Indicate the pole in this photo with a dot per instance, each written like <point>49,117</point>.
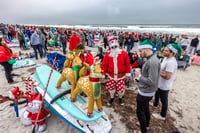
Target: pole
<point>33,131</point>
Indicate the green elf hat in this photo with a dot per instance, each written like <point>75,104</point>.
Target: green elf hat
<point>175,48</point>
<point>146,44</point>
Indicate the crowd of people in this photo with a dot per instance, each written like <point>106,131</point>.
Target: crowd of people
<point>154,77</point>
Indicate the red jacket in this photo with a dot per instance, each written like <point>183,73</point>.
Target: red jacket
<point>73,42</point>
<point>13,31</point>
<point>5,54</point>
<point>117,70</point>
<point>88,59</point>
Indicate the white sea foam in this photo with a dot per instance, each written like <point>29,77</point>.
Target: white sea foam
<point>135,28</point>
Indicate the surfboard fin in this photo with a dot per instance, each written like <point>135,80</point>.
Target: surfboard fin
<point>90,128</point>
<point>80,123</point>
<point>60,95</point>
<point>105,117</point>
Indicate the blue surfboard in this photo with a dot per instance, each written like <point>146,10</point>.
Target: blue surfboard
<point>42,73</point>
<point>25,41</point>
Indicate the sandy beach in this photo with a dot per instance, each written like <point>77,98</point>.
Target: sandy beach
<point>184,104</point>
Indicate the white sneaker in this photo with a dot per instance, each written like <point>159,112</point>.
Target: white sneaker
<point>42,128</point>
<point>158,116</point>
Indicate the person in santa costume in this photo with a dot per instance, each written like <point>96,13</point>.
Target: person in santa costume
<point>73,42</point>
<point>43,114</point>
<point>13,94</point>
<point>116,65</point>
<point>85,56</point>
<point>26,115</point>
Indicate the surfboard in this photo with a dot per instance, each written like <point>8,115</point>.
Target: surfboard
<point>25,41</point>
<point>64,108</point>
<point>43,73</point>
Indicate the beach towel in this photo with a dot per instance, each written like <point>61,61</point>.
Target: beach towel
<point>22,63</point>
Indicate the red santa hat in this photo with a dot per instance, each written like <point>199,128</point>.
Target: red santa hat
<point>196,36</point>
<point>81,30</point>
<point>113,42</point>
<point>121,32</point>
<point>14,93</point>
<point>33,96</point>
<point>38,99</point>
<point>96,59</point>
<point>133,33</point>
<point>183,35</point>
<point>144,33</point>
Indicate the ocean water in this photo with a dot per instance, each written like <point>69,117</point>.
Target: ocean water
<point>189,29</point>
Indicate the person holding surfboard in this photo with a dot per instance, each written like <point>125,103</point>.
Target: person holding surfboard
<point>20,39</point>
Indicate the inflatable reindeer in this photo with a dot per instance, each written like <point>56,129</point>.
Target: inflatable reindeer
<point>71,74</point>
<point>91,86</point>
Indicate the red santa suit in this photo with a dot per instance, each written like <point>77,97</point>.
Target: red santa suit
<point>116,65</point>
<point>73,42</point>
<point>116,68</point>
<point>41,118</point>
<point>43,114</point>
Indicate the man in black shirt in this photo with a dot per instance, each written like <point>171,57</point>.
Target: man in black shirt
<point>193,45</point>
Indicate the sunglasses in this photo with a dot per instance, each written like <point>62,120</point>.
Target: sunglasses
<point>113,47</point>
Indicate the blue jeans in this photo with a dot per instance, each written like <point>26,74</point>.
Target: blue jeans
<point>43,50</point>
<point>39,49</point>
<point>184,47</point>
<point>128,48</point>
<point>64,45</point>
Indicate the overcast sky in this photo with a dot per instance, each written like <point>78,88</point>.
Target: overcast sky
<point>100,11</point>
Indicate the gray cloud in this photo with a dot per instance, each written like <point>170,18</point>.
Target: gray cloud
<point>100,11</point>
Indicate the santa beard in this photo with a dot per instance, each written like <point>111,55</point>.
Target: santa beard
<point>114,52</point>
